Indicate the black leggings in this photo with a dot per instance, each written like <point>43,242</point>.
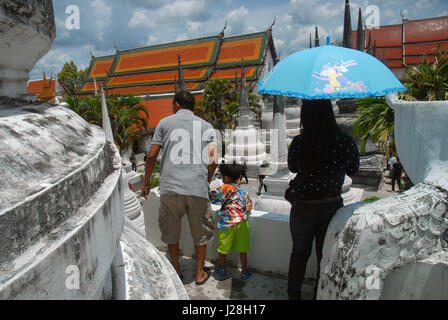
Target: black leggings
<point>307,222</point>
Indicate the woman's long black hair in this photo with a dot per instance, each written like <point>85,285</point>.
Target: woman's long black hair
<point>319,132</point>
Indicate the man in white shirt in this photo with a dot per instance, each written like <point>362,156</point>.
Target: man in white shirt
<point>186,172</point>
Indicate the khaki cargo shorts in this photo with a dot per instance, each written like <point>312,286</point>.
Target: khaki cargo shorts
<point>199,213</point>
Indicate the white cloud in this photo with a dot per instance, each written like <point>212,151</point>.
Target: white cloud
<point>181,37</point>
<point>151,40</point>
<point>172,14</point>
<point>314,11</point>
<point>236,20</point>
<point>102,14</point>
<point>194,26</point>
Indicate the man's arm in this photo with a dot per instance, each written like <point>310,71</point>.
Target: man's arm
<point>149,167</point>
<point>213,162</point>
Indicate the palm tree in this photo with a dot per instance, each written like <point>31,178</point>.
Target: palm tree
<point>219,106</point>
<point>375,121</point>
<point>428,81</point>
<point>128,118</point>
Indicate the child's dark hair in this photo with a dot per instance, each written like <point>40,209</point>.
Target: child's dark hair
<point>233,171</point>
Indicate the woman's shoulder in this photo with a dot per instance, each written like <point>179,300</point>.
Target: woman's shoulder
<point>345,138</point>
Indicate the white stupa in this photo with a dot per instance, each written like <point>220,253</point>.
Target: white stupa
<point>244,143</point>
<point>273,200</point>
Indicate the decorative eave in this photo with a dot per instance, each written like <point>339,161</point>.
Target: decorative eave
<point>94,63</point>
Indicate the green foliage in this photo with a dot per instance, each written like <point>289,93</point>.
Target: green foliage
<point>375,121</point>
<point>428,81</point>
<point>371,199</point>
<point>218,105</point>
<point>128,118</point>
<point>155,182</point>
<point>71,77</point>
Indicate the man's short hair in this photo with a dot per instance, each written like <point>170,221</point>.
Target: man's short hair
<point>233,171</point>
<point>185,99</point>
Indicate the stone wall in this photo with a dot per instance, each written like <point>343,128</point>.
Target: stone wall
<point>61,204</point>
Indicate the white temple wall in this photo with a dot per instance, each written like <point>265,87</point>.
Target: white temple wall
<point>270,240</point>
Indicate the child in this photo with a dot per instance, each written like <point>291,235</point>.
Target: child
<point>233,228</point>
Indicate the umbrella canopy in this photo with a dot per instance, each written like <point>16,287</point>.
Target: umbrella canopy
<point>330,72</point>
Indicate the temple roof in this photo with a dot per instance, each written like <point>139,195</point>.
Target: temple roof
<point>153,69</point>
<point>37,86</point>
<point>410,42</point>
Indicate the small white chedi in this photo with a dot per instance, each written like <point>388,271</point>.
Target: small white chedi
<point>397,247</point>
<point>244,144</point>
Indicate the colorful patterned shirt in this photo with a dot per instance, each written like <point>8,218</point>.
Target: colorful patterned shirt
<point>236,210</point>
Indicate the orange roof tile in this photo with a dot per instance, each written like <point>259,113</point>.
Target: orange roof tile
<point>234,49</point>
<point>165,88</point>
<point>194,74</point>
<point>99,67</point>
<point>36,86</point>
<point>160,108</point>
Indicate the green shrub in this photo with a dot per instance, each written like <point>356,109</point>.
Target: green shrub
<point>155,182</point>
<point>371,199</point>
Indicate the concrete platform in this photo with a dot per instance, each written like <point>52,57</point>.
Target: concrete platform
<point>257,287</point>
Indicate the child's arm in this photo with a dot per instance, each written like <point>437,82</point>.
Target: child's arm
<point>218,196</point>
<point>248,205</point>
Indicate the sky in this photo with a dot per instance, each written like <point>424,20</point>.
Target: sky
<point>137,23</point>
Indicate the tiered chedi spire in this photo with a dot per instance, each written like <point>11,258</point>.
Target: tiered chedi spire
<point>181,75</point>
<point>347,37</point>
<point>244,110</point>
<point>360,33</point>
<point>316,38</point>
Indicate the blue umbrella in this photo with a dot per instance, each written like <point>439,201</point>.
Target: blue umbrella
<point>330,72</point>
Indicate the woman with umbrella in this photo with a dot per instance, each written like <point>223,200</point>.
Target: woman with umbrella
<point>321,156</point>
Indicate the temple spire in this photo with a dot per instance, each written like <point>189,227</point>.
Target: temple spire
<point>181,75</point>
<point>94,83</point>
<point>107,128</point>
<point>374,48</point>
<point>316,38</point>
<point>236,80</point>
<point>244,111</point>
<point>360,34</point>
<point>311,44</point>
<point>369,46</point>
<point>347,37</point>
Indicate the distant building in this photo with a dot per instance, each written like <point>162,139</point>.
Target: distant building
<point>153,71</point>
<point>47,89</point>
<point>407,43</point>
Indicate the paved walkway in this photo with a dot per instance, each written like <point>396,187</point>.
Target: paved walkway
<point>259,286</point>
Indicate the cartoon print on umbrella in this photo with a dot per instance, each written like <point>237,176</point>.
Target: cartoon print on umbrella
<point>336,80</point>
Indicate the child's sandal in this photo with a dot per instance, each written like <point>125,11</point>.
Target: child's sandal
<point>245,276</point>
<point>221,272</point>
